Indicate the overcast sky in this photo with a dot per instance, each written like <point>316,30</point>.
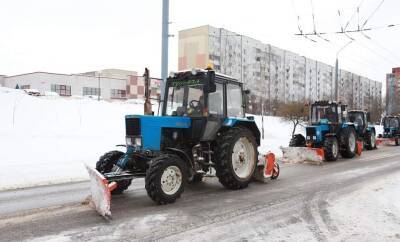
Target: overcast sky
<point>71,36</point>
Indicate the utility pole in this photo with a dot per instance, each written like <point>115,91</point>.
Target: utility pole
<point>164,45</point>
<point>337,70</point>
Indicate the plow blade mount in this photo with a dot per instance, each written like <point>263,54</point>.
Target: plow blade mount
<point>101,192</point>
<point>267,168</point>
<point>302,155</point>
<point>385,141</point>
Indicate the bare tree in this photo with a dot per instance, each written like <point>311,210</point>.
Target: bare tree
<point>294,112</point>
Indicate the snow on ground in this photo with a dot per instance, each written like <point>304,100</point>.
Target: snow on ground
<point>370,214</point>
<point>47,140</point>
<point>277,133</point>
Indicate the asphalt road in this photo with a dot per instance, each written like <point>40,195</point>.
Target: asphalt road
<point>205,212</point>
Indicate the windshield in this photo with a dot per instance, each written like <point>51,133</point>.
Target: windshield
<point>185,100</point>
<point>391,123</point>
<point>323,114</point>
<point>356,117</point>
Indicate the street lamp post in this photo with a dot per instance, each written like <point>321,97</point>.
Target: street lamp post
<point>337,70</point>
<point>98,96</point>
<point>164,45</point>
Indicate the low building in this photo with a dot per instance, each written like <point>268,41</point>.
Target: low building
<point>110,84</point>
<point>2,78</point>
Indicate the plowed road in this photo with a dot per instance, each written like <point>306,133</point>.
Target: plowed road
<point>295,207</point>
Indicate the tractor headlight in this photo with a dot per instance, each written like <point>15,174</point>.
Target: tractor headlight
<point>308,137</point>
<point>133,141</point>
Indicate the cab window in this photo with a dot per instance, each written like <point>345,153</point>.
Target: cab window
<point>216,101</point>
<point>234,101</point>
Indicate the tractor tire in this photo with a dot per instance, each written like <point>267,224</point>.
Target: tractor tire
<point>165,178</point>
<point>275,174</point>
<point>196,178</point>
<point>331,148</point>
<point>396,141</point>
<point>348,143</point>
<point>297,140</point>
<point>235,157</point>
<point>106,164</point>
<point>370,141</point>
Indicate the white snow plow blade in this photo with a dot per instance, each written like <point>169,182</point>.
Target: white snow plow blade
<point>101,192</point>
<point>302,155</point>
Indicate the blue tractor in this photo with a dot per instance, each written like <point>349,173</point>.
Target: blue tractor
<point>365,130</point>
<point>202,126</point>
<point>391,129</point>
<point>329,130</point>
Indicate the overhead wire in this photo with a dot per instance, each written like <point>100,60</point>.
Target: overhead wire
<point>372,14</point>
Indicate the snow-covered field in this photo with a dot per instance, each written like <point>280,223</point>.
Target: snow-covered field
<point>46,140</point>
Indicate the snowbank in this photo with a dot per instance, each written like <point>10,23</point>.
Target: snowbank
<point>277,133</point>
<point>46,140</point>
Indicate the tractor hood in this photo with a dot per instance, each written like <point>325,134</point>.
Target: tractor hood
<point>148,128</point>
<point>314,133</point>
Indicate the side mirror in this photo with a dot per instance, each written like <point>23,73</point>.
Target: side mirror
<point>368,117</point>
<point>209,84</point>
<point>247,91</point>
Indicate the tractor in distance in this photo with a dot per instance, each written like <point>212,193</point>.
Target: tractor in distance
<point>365,130</point>
<point>391,129</point>
<point>329,131</point>
<point>202,126</point>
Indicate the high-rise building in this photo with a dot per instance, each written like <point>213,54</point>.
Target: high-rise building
<point>392,91</point>
<point>272,74</point>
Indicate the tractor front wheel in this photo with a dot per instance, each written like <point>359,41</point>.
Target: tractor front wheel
<point>371,141</point>
<point>235,157</point>
<point>105,165</point>
<point>165,178</point>
<point>348,143</point>
<point>331,148</point>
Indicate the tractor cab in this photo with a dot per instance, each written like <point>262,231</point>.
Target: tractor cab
<point>359,118</point>
<point>324,112</point>
<point>203,93</point>
<point>391,126</point>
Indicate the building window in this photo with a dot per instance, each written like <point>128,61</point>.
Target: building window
<point>62,90</point>
<point>117,93</point>
<point>91,91</point>
<point>25,86</point>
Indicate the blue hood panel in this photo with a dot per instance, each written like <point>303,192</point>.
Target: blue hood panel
<point>151,126</point>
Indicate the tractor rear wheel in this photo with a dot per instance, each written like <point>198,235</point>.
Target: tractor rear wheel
<point>370,143</point>
<point>165,178</point>
<point>235,157</point>
<point>106,164</point>
<point>297,140</point>
<point>331,148</point>
<point>396,141</point>
<point>348,143</point>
